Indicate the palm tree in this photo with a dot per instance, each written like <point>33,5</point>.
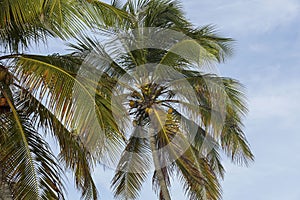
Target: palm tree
<point>157,101</point>
<point>32,100</point>
<point>52,93</point>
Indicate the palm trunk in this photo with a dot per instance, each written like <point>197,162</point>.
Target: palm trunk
<point>160,176</point>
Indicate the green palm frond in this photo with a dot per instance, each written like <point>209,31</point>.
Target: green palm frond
<point>94,53</point>
<point>46,87</point>
<point>197,176</point>
<point>191,52</point>
<point>202,141</point>
<point>73,154</point>
<point>16,11</point>
<point>100,15</point>
<point>61,18</point>
<point>29,169</point>
<point>164,14</point>
<point>209,39</point>
<point>51,81</point>
<point>30,166</point>
<point>233,140</point>
<point>133,167</point>
<point>233,110</point>
<point>26,22</point>
<point>21,23</point>
<point>192,167</point>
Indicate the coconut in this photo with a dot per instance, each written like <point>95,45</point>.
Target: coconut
<point>149,111</point>
<point>134,123</point>
<point>132,104</point>
<point>3,102</point>
<point>2,75</point>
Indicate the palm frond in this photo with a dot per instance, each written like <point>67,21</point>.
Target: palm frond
<point>221,100</point>
<point>70,97</point>
<point>208,38</point>
<point>73,154</point>
<point>193,169</point>
<point>164,14</point>
<point>102,16</point>
<point>198,177</point>
<point>30,166</point>
<point>133,167</point>
<point>233,140</point>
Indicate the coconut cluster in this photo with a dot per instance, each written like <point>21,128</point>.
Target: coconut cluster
<point>143,102</point>
<point>5,76</point>
<point>5,79</point>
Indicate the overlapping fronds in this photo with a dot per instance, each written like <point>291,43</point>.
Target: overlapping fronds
<point>45,88</point>
<point>192,118</point>
<point>133,166</point>
<point>30,167</point>
<point>190,164</point>
<point>73,154</point>
<point>25,22</point>
<point>70,96</point>
<point>189,136</point>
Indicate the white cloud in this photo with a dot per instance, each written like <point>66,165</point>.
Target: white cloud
<point>284,105</point>
<point>259,48</point>
<point>248,16</point>
<point>274,93</point>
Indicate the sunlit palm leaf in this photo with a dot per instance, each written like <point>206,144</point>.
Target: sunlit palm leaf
<point>73,154</point>
<point>30,166</point>
<point>59,88</point>
<point>206,127</point>
<point>24,22</point>
<point>191,164</point>
<point>133,167</point>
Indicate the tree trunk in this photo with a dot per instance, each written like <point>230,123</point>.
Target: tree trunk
<point>160,176</point>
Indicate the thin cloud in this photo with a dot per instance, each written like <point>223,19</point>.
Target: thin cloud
<point>249,16</point>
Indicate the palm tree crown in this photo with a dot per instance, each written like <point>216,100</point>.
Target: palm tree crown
<point>141,100</point>
<point>175,116</point>
<point>31,98</point>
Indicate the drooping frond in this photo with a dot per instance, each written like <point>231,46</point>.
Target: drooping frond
<point>102,16</point>
<point>197,176</point>
<point>202,142</point>
<point>208,38</point>
<point>25,22</point>
<point>133,167</point>
<point>73,154</point>
<point>29,166</point>
<point>193,169</point>
<point>222,104</point>
<point>71,97</point>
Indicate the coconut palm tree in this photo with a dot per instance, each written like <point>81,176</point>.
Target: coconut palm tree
<point>177,118</point>
<point>32,101</point>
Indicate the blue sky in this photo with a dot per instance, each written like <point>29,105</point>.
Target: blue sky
<point>267,62</point>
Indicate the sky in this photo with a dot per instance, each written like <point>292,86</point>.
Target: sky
<point>267,61</point>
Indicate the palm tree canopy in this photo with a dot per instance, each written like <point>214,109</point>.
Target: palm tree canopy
<point>25,22</point>
<point>32,100</point>
<point>158,100</point>
<point>122,108</point>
